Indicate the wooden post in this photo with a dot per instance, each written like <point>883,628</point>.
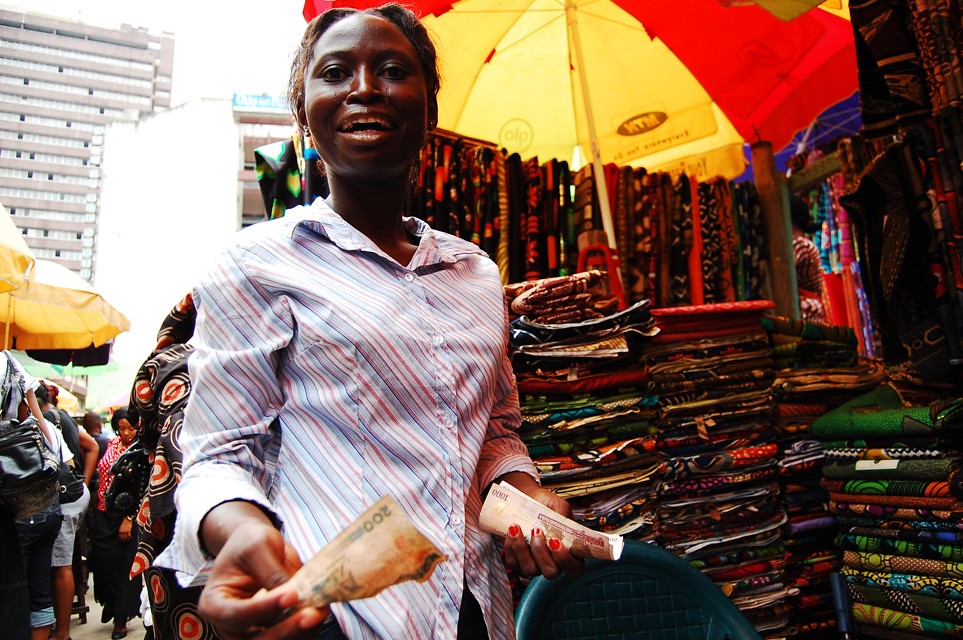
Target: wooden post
<point>773,192</point>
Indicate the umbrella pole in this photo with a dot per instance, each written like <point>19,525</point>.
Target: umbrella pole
<point>571,14</point>
<point>773,193</point>
<point>6,325</point>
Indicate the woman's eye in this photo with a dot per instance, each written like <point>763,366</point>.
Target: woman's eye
<point>394,72</point>
<point>333,73</point>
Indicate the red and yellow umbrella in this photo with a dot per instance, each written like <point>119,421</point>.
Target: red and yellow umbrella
<point>663,84</point>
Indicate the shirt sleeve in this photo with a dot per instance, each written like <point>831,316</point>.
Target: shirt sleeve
<point>229,434</point>
<point>57,445</point>
<point>503,451</point>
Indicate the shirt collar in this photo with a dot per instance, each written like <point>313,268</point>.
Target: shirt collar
<point>323,220</point>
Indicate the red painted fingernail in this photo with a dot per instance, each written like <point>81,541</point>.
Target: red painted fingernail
<point>514,530</point>
<point>554,544</point>
<point>536,531</point>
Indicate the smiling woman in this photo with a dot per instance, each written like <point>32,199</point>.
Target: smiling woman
<point>369,360</point>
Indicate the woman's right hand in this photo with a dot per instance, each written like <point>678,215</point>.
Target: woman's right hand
<point>245,596</point>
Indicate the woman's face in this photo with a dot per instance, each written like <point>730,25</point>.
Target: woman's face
<point>125,431</point>
<point>366,99</point>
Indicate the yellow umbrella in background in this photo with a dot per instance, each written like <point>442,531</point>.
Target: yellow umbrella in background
<point>16,260</point>
<point>58,310</point>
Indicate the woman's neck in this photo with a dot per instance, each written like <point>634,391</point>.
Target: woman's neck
<point>375,209</point>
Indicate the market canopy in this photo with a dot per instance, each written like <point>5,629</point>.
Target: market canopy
<point>58,310</point>
<point>16,259</point>
<point>658,83</point>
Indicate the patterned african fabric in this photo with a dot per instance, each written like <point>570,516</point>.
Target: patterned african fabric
<point>926,469</point>
<point>712,462</point>
<point>502,223</point>
<point>890,619</point>
<point>807,330</point>
<point>882,412</point>
<point>585,204</point>
<point>862,376</point>
<point>929,525</point>
<point>935,489</point>
<point>713,539</point>
<point>682,244</point>
<point>645,200</point>
<point>892,82</point>
<point>894,512</point>
<point>906,266</point>
<point>915,502</point>
<point>159,396</point>
<point>871,561</point>
<point>586,451</point>
<point>277,167</point>
<point>934,586</point>
<point>890,546</point>
<point>718,241</point>
<point>881,450</point>
<point>913,603</point>
<point>938,33</point>
<point>555,299</point>
<point>954,538</point>
<point>735,317</point>
<point>533,223</point>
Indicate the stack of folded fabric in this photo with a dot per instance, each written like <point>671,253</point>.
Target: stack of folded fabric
<point>712,369</point>
<point>895,485</point>
<point>561,299</point>
<point>588,418</point>
<point>810,530</point>
<point>807,354</point>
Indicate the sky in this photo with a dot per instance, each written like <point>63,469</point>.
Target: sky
<point>216,53</point>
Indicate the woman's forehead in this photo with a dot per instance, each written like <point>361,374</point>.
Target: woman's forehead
<point>361,29</point>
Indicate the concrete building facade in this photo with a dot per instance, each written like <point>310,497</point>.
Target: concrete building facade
<point>61,83</point>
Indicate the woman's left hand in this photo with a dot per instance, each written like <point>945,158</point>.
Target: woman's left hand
<point>548,557</point>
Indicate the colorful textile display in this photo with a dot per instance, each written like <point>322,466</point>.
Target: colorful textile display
<point>587,414</point>
<point>892,476</point>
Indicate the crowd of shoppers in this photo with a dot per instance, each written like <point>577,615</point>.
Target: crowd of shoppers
<point>37,551</point>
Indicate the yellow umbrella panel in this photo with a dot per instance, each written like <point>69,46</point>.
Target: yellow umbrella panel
<point>16,260</point>
<point>58,310</point>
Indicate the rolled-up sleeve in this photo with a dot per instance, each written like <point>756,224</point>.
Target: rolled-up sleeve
<point>229,437</point>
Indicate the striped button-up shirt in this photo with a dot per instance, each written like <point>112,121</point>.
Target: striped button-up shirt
<point>327,375</point>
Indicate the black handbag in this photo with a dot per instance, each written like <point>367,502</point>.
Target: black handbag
<point>71,482</point>
<point>131,475</point>
<point>71,485</point>
<point>29,470</point>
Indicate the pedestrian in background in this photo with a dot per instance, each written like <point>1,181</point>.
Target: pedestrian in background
<point>83,448</point>
<point>112,542</point>
<point>36,533</point>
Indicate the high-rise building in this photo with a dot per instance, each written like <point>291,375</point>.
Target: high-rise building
<point>61,83</point>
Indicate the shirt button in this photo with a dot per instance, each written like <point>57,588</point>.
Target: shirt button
<point>438,340</point>
<point>409,277</point>
<point>455,519</point>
